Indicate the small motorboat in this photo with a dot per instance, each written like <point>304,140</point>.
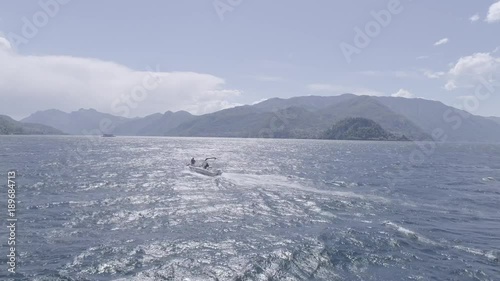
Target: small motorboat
<point>205,168</point>
<point>207,172</point>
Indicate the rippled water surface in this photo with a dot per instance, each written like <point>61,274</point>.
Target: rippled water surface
<point>129,209</point>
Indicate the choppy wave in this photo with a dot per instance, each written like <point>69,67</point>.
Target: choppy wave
<point>134,212</point>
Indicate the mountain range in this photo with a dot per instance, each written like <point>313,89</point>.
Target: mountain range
<point>9,126</point>
<point>298,117</point>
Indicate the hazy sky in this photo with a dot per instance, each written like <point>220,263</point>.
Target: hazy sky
<point>134,58</point>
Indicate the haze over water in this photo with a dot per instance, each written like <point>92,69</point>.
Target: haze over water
<point>129,209</point>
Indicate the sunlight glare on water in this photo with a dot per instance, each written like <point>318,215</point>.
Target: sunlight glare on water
<point>129,209</point>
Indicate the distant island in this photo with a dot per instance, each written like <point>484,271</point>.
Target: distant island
<point>358,128</point>
<point>108,135</point>
<point>306,117</point>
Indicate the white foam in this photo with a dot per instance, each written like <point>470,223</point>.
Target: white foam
<point>409,233</point>
<point>489,255</point>
<point>285,184</point>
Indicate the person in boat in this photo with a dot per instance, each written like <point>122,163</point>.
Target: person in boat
<point>193,161</point>
<point>205,164</point>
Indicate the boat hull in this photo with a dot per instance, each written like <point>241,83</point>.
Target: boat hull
<point>206,172</point>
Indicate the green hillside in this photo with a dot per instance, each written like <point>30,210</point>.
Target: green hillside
<point>359,129</point>
<point>9,126</point>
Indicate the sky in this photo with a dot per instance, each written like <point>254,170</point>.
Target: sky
<point>134,58</point>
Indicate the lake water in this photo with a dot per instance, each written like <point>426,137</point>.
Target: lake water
<point>129,209</point>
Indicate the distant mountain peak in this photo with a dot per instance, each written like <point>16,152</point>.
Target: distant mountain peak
<point>87,110</point>
<point>180,112</point>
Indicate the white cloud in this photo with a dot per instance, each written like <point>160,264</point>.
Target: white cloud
<point>441,42</point>
<point>450,85</point>
<point>422,57</point>
<point>476,64</point>
<point>470,70</point>
<point>5,44</point>
<point>433,75</point>
<point>474,18</point>
<point>30,83</point>
<point>259,101</point>
<point>339,90</point>
<point>210,106</point>
<point>402,93</point>
<point>493,13</point>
